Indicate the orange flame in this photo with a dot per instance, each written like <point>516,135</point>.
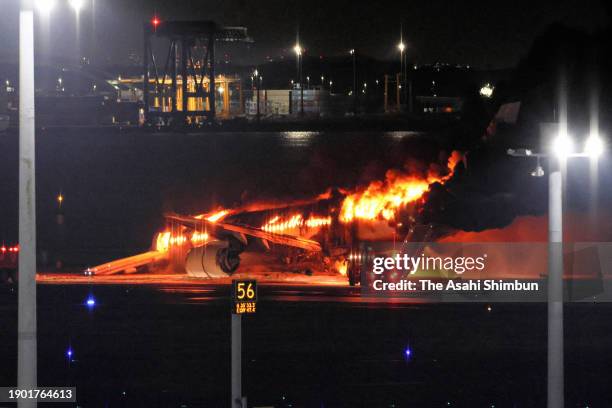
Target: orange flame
<point>165,240</point>
<point>382,199</point>
<point>279,225</point>
<point>214,217</point>
<point>199,237</point>
<point>218,216</point>
<point>341,266</point>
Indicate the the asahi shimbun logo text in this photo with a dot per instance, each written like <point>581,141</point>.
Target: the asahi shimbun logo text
<point>412,264</point>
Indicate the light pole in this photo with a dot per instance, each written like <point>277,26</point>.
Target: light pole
<point>401,47</point>
<point>26,315</point>
<point>298,53</point>
<point>354,90</point>
<point>257,98</point>
<point>76,5</point>
<point>562,149</point>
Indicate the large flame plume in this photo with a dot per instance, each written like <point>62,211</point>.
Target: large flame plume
<point>382,199</point>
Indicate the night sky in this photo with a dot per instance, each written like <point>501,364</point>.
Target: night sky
<point>488,34</point>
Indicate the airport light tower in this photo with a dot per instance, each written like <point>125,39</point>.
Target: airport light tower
<point>26,315</point>
<point>562,149</point>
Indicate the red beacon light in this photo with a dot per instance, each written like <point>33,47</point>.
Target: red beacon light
<point>155,21</point>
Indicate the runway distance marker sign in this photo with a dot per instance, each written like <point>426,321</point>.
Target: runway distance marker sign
<point>244,296</point>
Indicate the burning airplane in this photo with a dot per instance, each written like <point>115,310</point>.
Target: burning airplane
<point>323,232</point>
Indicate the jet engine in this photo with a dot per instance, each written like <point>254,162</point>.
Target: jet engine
<point>214,259</point>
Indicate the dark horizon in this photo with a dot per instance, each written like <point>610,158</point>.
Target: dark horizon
<point>480,34</point>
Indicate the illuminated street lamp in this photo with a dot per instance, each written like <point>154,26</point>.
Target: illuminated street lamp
<point>298,50</point>
<point>401,46</point>
<point>76,5</point>
<point>298,53</point>
<point>45,6</point>
<point>563,145</point>
<point>562,148</point>
<point>354,88</point>
<point>486,91</point>
<point>594,146</point>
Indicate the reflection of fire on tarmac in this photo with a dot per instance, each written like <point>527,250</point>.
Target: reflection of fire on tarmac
<point>312,238</point>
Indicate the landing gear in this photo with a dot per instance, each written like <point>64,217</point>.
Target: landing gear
<point>228,258</point>
<point>353,274</point>
<point>357,261</point>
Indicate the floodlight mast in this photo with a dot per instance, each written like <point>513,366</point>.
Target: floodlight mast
<point>562,149</point>
<point>26,314</point>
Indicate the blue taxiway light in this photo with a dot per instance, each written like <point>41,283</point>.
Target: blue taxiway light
<point>90,302</point>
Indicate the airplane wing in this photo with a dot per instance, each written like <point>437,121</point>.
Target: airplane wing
<point>245,230</point>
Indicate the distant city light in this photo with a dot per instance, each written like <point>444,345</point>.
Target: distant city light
<point>76,4</point>
<point>401,46</point>
<point>487,90</point>
<point>594,146</point>
<point>60,199</point>
<point>45,6</point>
<point>352,51</point>
<point>69,353</point>
<point>408,352</point>
<point>220,89</point>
